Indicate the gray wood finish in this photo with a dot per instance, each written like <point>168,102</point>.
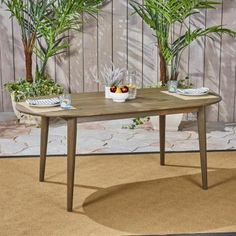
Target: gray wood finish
<point>1,86</point>
<point>43,146</point>
<point>119,31</point>
<point>162,128</point>
<point>7,57</point>
<point>105,40</point>
<point>129,43</point>
<point>196,51</point>
<point>212,60</point>
<point>202,145</point>
<point>71,150</point>
<point>135,45</point>
<point>90,47</point>
<point>94,107</point>
<point>76,63</point>
<point>150,58</point>
<point>228,59</point>
<point>90,106</point>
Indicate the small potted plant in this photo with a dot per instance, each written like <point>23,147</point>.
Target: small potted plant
<point>112,77</point>
<point>22,89</point>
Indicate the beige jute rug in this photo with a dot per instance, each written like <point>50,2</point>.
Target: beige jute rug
<point>119,195</point>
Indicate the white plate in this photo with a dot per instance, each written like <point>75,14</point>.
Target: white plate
<point>50,102</point>
<point>42,106</point>
<point>193,92</point>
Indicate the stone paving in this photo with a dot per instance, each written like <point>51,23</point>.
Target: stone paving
<point>108,137</point>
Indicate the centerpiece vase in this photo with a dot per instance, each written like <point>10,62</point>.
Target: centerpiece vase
<point>107,92</point>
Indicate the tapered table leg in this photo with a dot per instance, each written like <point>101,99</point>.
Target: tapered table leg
<point>71,149</point>
<point>43,146</point>
<point>202,145</point>
<point>162,129</point>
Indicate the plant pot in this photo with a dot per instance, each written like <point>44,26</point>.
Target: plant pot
<point>17,113</point>
<point>24,118</point>
<point>172,122</point>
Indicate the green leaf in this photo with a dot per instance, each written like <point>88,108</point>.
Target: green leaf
<point>163,15</point>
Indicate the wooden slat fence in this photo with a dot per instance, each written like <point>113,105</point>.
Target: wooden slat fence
<point>125,40</point>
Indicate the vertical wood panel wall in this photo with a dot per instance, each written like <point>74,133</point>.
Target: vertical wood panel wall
<point>125,40</point>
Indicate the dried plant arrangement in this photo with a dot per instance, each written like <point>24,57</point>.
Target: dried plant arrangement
<point>112,76</point>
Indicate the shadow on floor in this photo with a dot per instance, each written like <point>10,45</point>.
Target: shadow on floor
<point>204,234</point>
<point>167,205</point>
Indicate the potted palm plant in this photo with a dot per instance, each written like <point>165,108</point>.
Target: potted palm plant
<point>64,16</point>
<point>45,22</point>
<point>161,16</point>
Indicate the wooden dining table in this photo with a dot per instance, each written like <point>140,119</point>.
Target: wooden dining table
<point>89,107</point>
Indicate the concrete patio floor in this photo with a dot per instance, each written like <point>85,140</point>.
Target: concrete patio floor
<point>109,137</point>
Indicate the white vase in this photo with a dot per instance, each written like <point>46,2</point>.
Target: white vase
<point>24,118</point>
<point>107,92</point>
<point>17,113</point>
<point>172,122</point>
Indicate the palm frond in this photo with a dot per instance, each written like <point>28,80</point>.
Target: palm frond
<point>161,15</point>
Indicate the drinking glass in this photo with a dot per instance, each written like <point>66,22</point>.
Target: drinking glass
<point>65,101</point>
<point>172,86</point>
<point>132,84</point>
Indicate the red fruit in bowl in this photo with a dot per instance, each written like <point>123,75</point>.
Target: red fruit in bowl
<point>113,89</point>
<point>125,89</point>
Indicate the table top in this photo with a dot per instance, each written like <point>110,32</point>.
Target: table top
<point>152,101</point>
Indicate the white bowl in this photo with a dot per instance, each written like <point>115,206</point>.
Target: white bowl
<point>119,97</point>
